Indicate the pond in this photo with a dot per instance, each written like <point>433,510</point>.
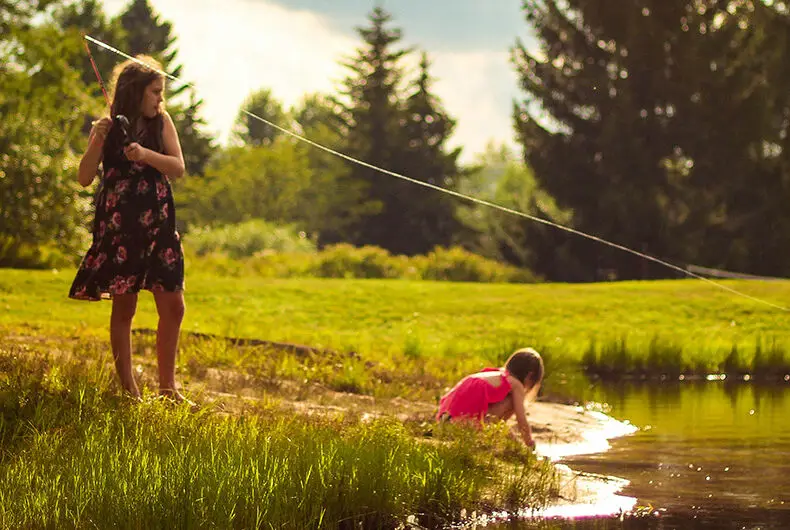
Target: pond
<point>707,454</point>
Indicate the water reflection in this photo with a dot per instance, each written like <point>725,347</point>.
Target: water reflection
<point>708,455</point>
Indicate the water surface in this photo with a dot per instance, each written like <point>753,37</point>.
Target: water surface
<point>706,455</point>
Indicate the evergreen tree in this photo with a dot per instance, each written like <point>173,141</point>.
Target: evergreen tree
<point>642,118</point>
<point>87,16</point>
<point>402,133</point>
<point>427,216</point>
<point>197,146</point>
<point>251,131</point>
<point>147,34</point>
<point>372,119</point>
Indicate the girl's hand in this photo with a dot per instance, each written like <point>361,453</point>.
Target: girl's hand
<point>135,152</point>
<point>101,127</point>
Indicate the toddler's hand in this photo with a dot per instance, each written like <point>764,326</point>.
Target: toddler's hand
<point>135,152</point>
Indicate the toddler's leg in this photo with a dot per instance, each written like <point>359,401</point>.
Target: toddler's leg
<point>171,308</point>
<point>501,410</point>
<point>123,309</point>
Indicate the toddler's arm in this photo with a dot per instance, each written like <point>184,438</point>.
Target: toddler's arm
<point>519,410</point>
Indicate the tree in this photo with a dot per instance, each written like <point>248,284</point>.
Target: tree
<point>245,183</point>
<point>251,131</point>
<point>405,134</point>
<point>426,217</point>
<point>88,17</point>
<point>284,181</point>
<point>371,117</point>
<point>334,204</point>
<point>643,119</point>
<point>197,146</point>
<point>147,34</point>
<point>41,101</point>
<point>499,177</point>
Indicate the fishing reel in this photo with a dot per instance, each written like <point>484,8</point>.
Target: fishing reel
<point>122,123</point>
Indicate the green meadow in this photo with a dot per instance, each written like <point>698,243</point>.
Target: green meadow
<point>322,416</point>
<point>447,328</point>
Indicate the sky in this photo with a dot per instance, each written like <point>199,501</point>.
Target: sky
<point>230,48</point>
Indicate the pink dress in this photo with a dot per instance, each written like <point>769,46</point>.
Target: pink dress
<point>471,397</point>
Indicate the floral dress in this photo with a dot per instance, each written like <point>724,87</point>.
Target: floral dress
<point>135,242</point>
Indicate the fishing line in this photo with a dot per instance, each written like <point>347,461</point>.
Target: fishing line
<point>454,193</point>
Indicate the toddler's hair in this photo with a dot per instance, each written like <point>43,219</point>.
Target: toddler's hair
<point>526,363</point>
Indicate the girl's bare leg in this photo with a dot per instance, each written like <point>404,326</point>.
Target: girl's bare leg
<point>171,308</point>
<point>123,309</point>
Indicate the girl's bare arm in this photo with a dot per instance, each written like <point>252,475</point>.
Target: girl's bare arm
<point>171,163</point>
<point>89,163</point>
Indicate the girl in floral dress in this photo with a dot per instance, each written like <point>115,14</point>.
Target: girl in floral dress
<point>135,242</point>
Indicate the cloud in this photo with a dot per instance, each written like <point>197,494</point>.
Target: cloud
<point>477,89</point>
<point>232,48</point>
<point>457,25</point>
<point>246,45</point>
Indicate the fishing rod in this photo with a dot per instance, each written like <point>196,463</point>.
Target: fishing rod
<point>119,120</point>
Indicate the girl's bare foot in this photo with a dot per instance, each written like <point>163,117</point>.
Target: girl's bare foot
<point>132,391</point>
<point>176,396</point>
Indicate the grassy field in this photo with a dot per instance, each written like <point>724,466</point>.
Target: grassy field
<point>333,435</point>
<point>445,328</point>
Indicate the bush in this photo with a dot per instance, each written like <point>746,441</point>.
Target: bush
<point>247,239</point>
<point>264,249</point>
<point>458,265</point>
<point>347,261</point>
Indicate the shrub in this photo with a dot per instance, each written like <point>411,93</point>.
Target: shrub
<point>347,261</point>
<point>457,264</point>
<point>245,240</point>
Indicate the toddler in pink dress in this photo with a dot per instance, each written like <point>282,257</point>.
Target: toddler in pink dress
<point>496,393</point>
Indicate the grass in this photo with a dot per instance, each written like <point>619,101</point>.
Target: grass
<point>321,436</point>
<point>76,454</point>
<point>442,330</point>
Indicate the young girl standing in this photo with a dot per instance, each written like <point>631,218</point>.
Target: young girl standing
<point>135,242</point>
<point>496,393</point>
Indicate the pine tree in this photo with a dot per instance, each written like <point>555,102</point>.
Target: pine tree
<point>147,34</point>
<point>406,133</point>
<point>88,17</point>
<point>640,118</point>
<point>197,146</point>
<point>427,216</point>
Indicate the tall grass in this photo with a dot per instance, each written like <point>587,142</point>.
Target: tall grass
<point>662,357</point>
<point>76,455</point>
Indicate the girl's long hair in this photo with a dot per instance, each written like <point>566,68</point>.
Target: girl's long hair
<point>130,80</point>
